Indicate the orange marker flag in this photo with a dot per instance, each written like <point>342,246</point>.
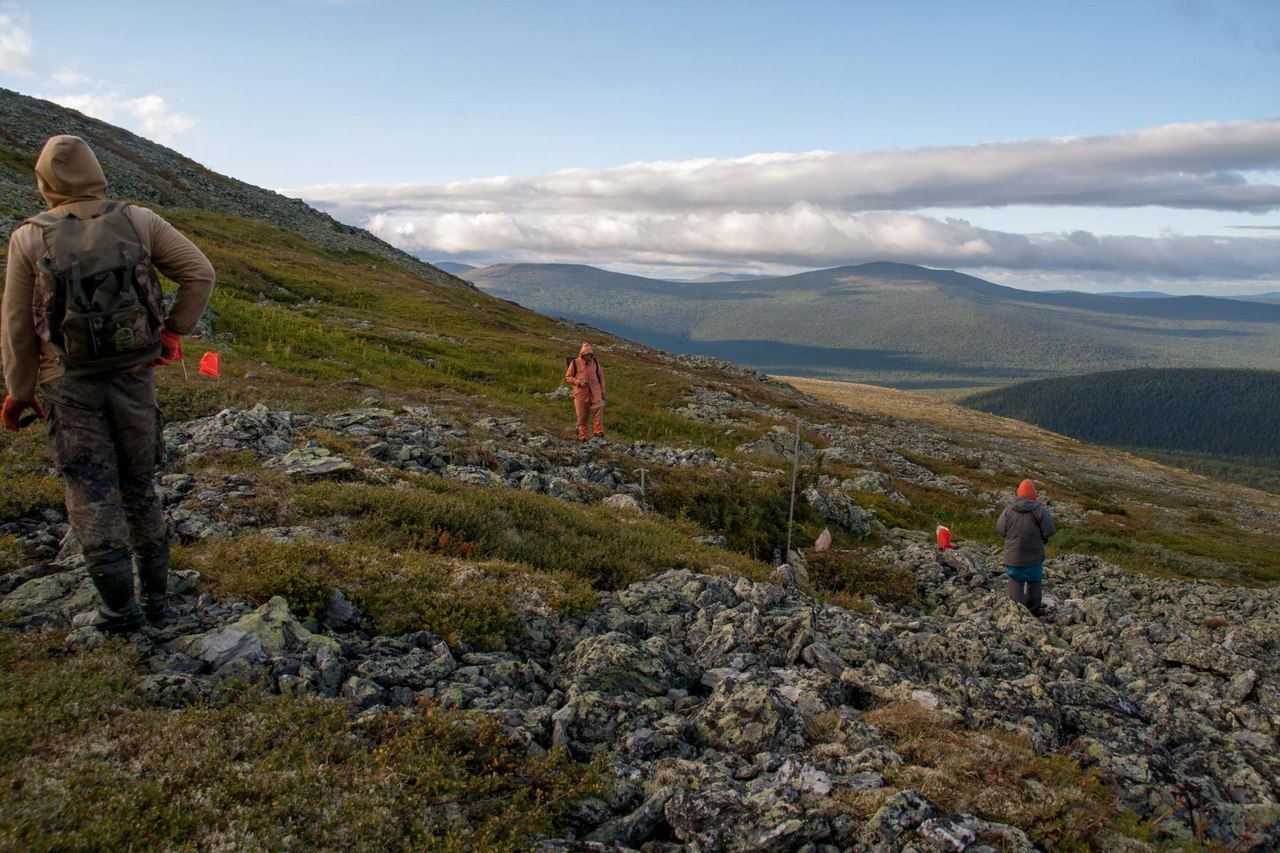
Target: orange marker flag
<point>210,364</point>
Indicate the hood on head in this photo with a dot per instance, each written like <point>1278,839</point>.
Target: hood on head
<point>586,348</point>
<point>67,171</point>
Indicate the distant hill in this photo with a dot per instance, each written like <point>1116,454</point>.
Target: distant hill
<point>721,276</point>
<point>1226,413</point>
<point>454,268</point>
<point>900,325</point>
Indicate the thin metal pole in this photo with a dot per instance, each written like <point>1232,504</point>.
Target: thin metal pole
<point>642,484</point>
<point>791,513</point>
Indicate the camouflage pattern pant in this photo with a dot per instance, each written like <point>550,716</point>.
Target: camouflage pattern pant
<point>104,437</point>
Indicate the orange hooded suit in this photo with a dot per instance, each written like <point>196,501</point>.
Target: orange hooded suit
<point>587,378</point>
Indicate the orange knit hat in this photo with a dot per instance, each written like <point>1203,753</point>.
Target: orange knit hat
<point>1027,489</point>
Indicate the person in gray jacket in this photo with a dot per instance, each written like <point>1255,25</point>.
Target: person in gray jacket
<point>1026,526</point>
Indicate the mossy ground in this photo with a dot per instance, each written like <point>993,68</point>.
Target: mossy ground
<point>86,764</point>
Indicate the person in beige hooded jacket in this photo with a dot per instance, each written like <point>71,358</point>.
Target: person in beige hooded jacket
<point>103,429</point>
<point>587,379</point>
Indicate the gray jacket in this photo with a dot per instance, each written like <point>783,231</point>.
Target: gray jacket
<point>1025,526</point>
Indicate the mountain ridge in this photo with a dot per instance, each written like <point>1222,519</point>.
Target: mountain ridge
<point>899,325</point>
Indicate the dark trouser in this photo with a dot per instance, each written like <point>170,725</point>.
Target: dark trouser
<point>104,437</point>
<point>1025,592</point>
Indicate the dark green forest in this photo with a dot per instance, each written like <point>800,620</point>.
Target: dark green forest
<point>1220,422</point>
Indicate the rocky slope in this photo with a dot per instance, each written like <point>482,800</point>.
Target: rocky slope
<point>735,714</point>
<point>726,712</point>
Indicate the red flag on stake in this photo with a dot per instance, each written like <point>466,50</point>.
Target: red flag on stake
<point>210,364</point>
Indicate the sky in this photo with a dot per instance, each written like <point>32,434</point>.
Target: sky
<point>1119,145</point>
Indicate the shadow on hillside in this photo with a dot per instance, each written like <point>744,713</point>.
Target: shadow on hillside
<point>1181,333</point>
<point>828,362</point>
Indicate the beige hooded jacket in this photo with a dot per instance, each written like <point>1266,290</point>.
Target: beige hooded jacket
<point>71,180</point>
<point>586,369</point>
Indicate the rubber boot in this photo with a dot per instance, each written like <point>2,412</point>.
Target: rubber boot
<point>112,576</point>
<point>153,576</point>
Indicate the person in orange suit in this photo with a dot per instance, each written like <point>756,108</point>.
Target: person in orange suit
<point>587,378</point>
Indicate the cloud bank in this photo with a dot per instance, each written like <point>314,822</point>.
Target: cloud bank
<point>822,208</point>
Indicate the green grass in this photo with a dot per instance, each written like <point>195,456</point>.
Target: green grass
<point>85,764</point>
<point>27,488</point>
<point>1261,474</point>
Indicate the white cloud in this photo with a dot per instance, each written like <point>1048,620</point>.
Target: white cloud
<point>1201,166</point>
<point>820,208</point>
<point>809,236</point>
<point>69,77</point>
<point>15,45</point>
<point>157,118</point>
<point>149,115</point>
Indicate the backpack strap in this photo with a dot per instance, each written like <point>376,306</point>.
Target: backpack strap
<point>47,217</point>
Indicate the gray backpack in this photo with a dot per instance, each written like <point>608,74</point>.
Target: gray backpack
<point>97,299</point>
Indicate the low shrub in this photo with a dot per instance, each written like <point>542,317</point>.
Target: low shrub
<point>750,512</point>
<point>606,547</point>
<point>999,777</point>
<point>849,575</point>
<point>400,591</point>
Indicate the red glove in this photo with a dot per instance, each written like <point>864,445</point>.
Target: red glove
<point>12,413</point>
<point>170,348</point>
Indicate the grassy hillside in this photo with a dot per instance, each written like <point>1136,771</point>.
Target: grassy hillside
<point>308,326</point>
<point>899,325</point>
<point>1225,422</point>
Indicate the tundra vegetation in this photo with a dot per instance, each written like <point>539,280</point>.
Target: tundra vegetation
<point>87,762</point>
